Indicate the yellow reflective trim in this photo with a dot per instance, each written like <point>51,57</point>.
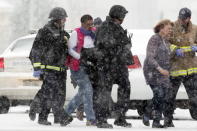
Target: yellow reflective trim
<point>173,47</point>
<point>50,67</point>
<point>186,48</point>
<point>36,64</point>
<point>53,68</point>
<point>183,72</point>
<point>178,73</point>
<point>42,66</point>
<point>192,70</point>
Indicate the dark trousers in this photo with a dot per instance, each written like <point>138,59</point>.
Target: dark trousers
<point>158,100</point>
<point>124,90</point>
<point>190,84</point>
<point>160,103</point>
<point>103,103</point>
<point>51,95</point>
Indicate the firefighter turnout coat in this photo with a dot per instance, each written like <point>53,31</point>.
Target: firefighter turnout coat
<point>183,38</point>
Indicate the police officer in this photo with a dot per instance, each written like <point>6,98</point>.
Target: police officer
<point>48,55</point>
<point>183,61</point>
<point>114,45</point>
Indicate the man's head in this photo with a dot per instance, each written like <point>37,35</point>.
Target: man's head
<point>185,15</point>
<point>87,22</point>
<point>118,12</point>
<point>58,15</point>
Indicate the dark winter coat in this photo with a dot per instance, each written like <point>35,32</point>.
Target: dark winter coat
<point>157,55</point>
<point>112,42</point>
<point>49,47</point>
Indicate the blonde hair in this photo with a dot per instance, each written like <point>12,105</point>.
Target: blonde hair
<point>161,25</point>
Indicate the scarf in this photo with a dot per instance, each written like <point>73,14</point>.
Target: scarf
<point>88,33</point>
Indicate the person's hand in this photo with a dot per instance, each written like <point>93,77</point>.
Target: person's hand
<point>163,71</point>
<point>179,52</point>
<point>66,38</point>
<point>194,48</point>
<point>37,73</point>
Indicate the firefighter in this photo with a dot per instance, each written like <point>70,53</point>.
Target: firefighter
<point>48,55</point>
<point>183,61</point>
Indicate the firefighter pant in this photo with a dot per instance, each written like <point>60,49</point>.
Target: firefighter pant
<point>190,84</point>
<point>52,94</point>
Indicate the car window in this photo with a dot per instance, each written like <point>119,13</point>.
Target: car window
<point>23,45</point>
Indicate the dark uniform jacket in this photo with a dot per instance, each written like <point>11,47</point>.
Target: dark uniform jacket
<point>114,45</point>
<point>49,49</point>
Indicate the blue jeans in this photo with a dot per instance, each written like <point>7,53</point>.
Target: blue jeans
<point>84,95</point>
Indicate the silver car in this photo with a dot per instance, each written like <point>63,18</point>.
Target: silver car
<point>17,85</point>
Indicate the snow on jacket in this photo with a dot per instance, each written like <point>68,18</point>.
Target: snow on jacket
<point>112,41</point>
<point>157,55</point>
<point>183,38</point>
<point>49,49</point>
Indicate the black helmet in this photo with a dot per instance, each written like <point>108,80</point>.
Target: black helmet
<point>57,13</point>
<point>117,11</point>
<point>184,13</point>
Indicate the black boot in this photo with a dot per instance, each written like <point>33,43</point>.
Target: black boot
<point>32,115</point>
<point>103,124</point>
<point>122,122</point>
<point>32,111</point>
<point>44,122</point>
<point>168,122</point>
<point>66,119</point>
<point>145,120</point>
<point>156,124</point>
<point>56,120</point>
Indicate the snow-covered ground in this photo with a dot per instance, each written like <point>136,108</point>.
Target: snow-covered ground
<point>17,120</point>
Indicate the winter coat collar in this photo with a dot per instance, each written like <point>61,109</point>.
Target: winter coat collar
<point>186,29</point>
<point>118,26</point>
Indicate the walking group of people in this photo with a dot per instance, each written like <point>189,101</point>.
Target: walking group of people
<point>97,54</point>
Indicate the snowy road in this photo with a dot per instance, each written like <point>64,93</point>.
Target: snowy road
<point>17,120</point>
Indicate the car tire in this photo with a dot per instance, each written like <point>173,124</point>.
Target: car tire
<point>4,105</point>
<point>193,112</point>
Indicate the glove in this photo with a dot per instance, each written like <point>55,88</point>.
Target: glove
<point>194,48</point>
<point>37,73</point>
<point>179,52</point>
